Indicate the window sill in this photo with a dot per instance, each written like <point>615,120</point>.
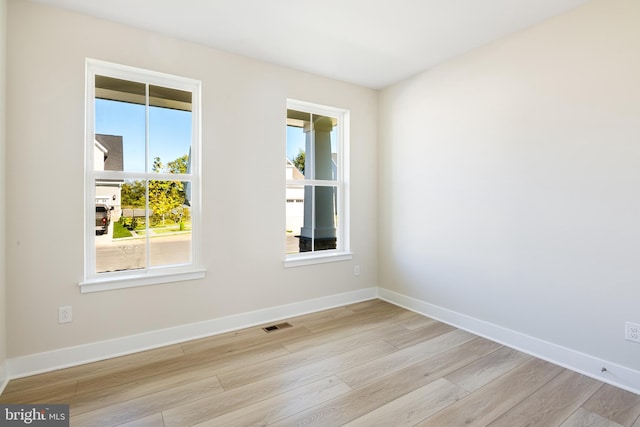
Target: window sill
<point>144,279</point>
<point>316,258</point>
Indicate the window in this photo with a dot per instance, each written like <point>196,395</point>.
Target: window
<point>316,184</point>
<point>142,204</point>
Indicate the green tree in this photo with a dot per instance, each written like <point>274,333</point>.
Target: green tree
<point>132,194</point>
<point>298,161</point>
<point>165,197</point>
<point>179,165</point>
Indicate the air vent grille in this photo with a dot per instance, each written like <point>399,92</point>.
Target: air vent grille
<point>277,327</point>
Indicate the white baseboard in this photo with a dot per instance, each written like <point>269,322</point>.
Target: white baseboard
<point>616,375</point>
<point>4,378</point>
<point>71,356</point>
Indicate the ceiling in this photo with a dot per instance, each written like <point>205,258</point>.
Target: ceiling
<point>373,43</point>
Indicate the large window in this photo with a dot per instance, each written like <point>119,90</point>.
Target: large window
<point>317,177</point>
<point>142,177</point>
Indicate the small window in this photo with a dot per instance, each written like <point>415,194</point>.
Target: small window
<point>316,190</point>
<point>143,177</point>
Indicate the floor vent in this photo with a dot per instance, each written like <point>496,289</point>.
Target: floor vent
<point>276,327</point>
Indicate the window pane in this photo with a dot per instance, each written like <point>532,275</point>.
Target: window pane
<point>173,99</point>
<point>311,220</point>
<point>169,129</point>
<point>170,224</point>
<point>120,242</point>
<point>295,153</point>
<point>297,122</point>
<point>326,218</point>
<point>295,217</point>
<point>119,125</point>
<point>325,154</point>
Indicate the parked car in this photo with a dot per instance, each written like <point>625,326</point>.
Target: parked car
<point>103,217</point>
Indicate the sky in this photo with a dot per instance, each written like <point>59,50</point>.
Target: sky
<point>296,141</point>
<point>169,131</point>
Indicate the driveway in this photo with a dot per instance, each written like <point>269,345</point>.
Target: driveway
<point>131,253</point>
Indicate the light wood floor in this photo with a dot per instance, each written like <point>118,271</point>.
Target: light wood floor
<point>367,364</point>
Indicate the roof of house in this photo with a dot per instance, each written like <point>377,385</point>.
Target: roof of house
<point>114,159</point>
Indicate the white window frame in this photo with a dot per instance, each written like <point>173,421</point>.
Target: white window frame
<point>342,252</point>
<point>93,281</point>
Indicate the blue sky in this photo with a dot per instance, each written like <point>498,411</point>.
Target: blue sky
<point>295,141</point>
<point>169,131</point>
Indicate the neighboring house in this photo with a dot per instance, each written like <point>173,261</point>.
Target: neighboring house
<point>295,199</point>
<point>108,156</point>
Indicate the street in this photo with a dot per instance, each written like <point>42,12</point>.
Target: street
<point>129,254</point>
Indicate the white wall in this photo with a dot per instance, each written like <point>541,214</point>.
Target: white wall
<point>244,106</point>
<point>510,178</point>
<point>3,80</point>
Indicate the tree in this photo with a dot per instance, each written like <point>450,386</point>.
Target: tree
<point>299,160</point>
<point>179,165</point>
<point>165,197</point>
<point>133,194</point>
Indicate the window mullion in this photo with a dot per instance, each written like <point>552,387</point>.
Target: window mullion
<point>312,174</point>
<point>90,186</point>
<point>147,227</point>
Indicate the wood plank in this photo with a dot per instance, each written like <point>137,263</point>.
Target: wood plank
<point>491,401</point>
<point>418,322</point>
<point>584,418</point>
<point>97,398</point>
<point>282,405</point>
<point>365,399</point>
<point>367,319</point>
<point>552,403</point>
<point>154,420</point>
<point>246,340</point>
<point>482,346</point>
<point>412,407</point>
<point>615,404</point>
<point>92,369</point>
<point>487,369</point>
<point>205,361</point>
<point>54,392</point>
<point>148,405</point>
<point>407,369</point>
<point>347,335</point>
<point>368,305</point>
<point>246,374</point>
<point>313,319</point>
<point>205,409</point>
<point>371,371</point>
<point>415,336</point>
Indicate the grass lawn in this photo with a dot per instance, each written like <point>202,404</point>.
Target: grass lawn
<point>119,231</point>
<point>170,229</point>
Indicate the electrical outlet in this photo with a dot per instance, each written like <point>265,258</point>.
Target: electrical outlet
<point>356,270</point>
<point>65,314</point>
<point>632,331</point>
